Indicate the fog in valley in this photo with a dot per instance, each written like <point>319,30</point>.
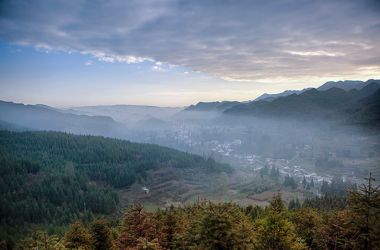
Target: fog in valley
<point>263,151</point>
<point>315,149</point>
<point>177,124</point>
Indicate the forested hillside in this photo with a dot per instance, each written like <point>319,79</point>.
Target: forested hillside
<point>53,178</point>
<point>352,224</point>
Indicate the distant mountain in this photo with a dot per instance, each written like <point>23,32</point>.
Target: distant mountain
<point>307,103</point>
<point>331,103</point>
<point>227,105</point>
<point>151,123</point>
<point>367,111</point>
<point>11,127</point>
<point>212,106</point>
<point>271,97</point>
<point>127,113</point>
<point>41,117</point>
<point>347,85</point>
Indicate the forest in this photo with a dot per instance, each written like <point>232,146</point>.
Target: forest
<point>189,125</point>
<point>62,191</point>
<point>52,178</point>
<point>353,224</point>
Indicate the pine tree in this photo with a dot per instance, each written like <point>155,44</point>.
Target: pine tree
<point>77,237</point>
<point>41,240</point>
<point>225,227</point>
<point>275,231</point>
<point>100,235</point>
<point>304,182</point>
<point>312,183</point>
<point>144,244</point>
<point>294,204</point>
<point>364,204</point>
<point>138,225</point>
<point>307,223</point>
<point>168,222</point>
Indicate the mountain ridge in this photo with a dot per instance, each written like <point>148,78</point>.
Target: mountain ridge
<point>344,85</point>
<point>332,103</point>
<point>42,117</point>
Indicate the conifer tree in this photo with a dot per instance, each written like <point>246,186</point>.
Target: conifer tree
<point>275,231</point>
<point>139,226</point>
<point>78,237</point>
<point>364,205</point>
<point>101,235</point>
<point>304,182</point>
<point>225,227</point>
<point>168,227</point>
<point>308,223</point>
<point>312,183</point>
<point>41,240</point>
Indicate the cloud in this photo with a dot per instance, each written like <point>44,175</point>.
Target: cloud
<point>89,63</point>
<point>157,68</point>
<point>315,53</point>
<point>235,40</point>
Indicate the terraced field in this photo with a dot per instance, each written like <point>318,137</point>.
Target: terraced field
<point>169,186</point>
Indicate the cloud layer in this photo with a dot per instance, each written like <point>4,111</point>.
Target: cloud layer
<point>288,40</point>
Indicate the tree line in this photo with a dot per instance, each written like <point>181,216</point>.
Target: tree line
<point>208,225</point>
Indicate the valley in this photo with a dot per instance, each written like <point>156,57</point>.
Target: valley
<point>241,158</point>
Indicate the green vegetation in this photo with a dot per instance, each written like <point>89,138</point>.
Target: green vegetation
<point>49,180</point>
<point>54,178</point>
<point>207,225</point>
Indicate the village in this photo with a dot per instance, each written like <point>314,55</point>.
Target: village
<point>202,140</point>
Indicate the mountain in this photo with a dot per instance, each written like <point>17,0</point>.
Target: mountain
<point>331,103</point>
<point>227,105</point>
<point>347,85</point>
<point>41,117</point>
<point>271,97</point>
<point>368,110</point>
<point>127,114</point>
<point>54,178</point>
<point>11,127</point>
<point>310,103</point>
<point>212,106</point>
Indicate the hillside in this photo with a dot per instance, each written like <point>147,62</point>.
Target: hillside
<point>347,85</point>
<point>329,222</point>
<point>127,114</point>
<point>271,97</point>
<point>53,178</point>
<point>367,110</point>
<point>41,117</point>
<point>224,105</point>
<point>212,106</point>
<point>312,104</point>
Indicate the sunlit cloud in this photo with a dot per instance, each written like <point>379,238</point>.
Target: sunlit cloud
<point>315,53</point>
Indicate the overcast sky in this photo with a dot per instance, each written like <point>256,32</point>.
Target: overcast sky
<point>175,53</point>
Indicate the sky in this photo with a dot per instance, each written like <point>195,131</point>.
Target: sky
<point>175,52</point>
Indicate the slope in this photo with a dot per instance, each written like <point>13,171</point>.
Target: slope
<point>312,104</point>
<point>41,117</point>
<point>54,178</point>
